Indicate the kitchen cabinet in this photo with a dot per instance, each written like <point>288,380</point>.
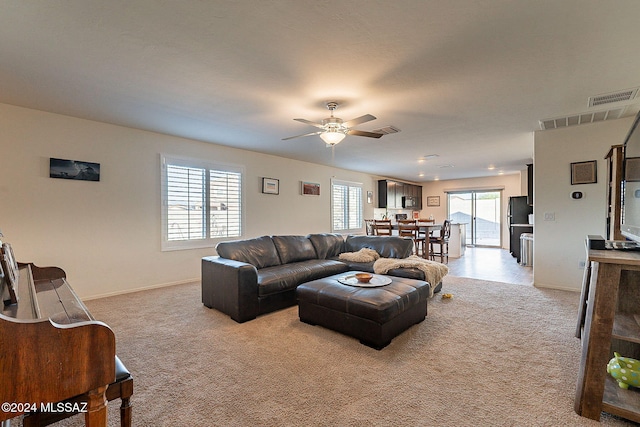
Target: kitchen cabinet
<point>457,240</point>
<point>390,194</point>
<point>608,321</point>
<point>614,160</point>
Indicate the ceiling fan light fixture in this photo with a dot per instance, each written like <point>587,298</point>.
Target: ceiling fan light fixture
<point>332,137</point>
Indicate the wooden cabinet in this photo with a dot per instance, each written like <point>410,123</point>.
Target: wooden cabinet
<point>608,321</point>
<point>614,160</point>
<point>390,194</point>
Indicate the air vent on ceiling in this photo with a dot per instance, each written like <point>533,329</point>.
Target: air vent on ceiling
<point>608,98</point>
<point>582,118</point>
<point>386,130</point>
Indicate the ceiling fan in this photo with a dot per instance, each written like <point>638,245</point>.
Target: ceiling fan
<point>334,129</point>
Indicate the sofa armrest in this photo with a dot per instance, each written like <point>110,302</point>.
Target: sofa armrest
<point>231,287</point>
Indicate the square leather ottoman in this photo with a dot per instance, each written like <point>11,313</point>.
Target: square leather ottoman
<point>374,315</point>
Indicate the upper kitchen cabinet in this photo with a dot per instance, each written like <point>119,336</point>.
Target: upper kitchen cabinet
<point>398,195</point>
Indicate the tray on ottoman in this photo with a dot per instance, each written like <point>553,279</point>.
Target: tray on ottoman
<point>374,315</point>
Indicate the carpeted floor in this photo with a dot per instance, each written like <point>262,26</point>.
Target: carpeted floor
<point>494,355</point>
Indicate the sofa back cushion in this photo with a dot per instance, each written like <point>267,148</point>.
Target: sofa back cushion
<point>386,246</point>
<point>327,245</point>
<point>293,248</point>
<point>261,252</point>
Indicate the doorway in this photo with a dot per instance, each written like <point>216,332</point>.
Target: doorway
<point>481,211</point>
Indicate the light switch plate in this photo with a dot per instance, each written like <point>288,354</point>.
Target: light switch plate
<point>549,216</point>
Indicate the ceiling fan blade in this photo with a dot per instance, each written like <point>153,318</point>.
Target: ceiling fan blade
<point>359,120</point>
<point>318,125</point>
<point>364,133</point>
<point>306,134</point>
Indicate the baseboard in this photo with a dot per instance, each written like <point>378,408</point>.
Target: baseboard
<point>556,287</point>
<point>143,288</point>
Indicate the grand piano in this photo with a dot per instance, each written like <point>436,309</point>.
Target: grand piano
<point>51,348</point>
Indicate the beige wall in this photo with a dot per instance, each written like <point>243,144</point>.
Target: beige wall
<point>510,184</point>
<point>559,244</point>
<point>106,235</point>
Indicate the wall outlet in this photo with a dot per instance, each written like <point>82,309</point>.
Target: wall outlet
<point>549,216</point>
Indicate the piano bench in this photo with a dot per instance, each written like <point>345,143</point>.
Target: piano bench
<point>122,389</point>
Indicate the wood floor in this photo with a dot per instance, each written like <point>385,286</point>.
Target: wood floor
<point>490,264</point>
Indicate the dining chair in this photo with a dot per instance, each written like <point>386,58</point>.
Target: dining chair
<point>425,230</point>
<point>411,230</point>
<point>382,227</point>
<point>442,240</point>
<point>368,225</point>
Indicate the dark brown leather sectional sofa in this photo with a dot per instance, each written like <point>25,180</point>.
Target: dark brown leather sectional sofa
<point>256,276</point>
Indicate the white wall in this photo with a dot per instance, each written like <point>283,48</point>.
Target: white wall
<point>511,185</point>
<point>106,235</point>
<point>559,244</point>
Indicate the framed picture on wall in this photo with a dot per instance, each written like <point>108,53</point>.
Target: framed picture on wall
<point>270,186</point>
<point>583,172</point>
<point>310,189</point>
<point>74,169</point>
<point>433,200</point>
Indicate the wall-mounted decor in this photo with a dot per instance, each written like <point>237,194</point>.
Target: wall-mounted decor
<point>270,186</point>
<point>583,172</point>
<point>369,197</point>
<point>632,169</point>
<point>433,200</point>
<point>74,169</point>
<point>310,189</point>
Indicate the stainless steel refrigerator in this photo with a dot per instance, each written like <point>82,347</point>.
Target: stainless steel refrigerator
<point>518,219</point>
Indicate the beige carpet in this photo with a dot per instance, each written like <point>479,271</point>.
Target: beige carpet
<point>494,355</point>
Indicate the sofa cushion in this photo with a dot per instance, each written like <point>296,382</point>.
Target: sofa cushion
<point>386,246</point>
<point>327,245</point>
<point>261,252</point>
<point>293,248</point>
<point>285,277</point>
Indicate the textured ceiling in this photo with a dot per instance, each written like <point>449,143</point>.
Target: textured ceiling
<point>466,80</point>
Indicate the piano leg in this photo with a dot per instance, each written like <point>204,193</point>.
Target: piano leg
<point>96,415</point>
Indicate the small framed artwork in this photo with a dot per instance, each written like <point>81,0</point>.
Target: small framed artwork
<point>433,200</point>
<point>74,169</point>
<point>310,189</point>
<point>632,169</point>
<point>270,186</point>
<point>369,197</point>
<point>584,172</point>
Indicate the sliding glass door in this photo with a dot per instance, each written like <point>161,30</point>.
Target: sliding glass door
<point>480,210</point>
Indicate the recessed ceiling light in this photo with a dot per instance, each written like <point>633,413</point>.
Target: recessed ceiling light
<point>420,174</point>
<point>491,167</point>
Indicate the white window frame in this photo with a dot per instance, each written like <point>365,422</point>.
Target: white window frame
<point>207,241</point>
<point>348,212</point>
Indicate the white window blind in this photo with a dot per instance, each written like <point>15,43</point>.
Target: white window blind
<point>225,203</point>
<point>346,207</point>
<point>185,203</point>
<point>201,202</point>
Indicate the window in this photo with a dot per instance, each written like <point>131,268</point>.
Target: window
<point>346,207</point>
<point>200,202</point>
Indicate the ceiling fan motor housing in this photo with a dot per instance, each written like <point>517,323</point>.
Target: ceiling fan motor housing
<point>333,124</point>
